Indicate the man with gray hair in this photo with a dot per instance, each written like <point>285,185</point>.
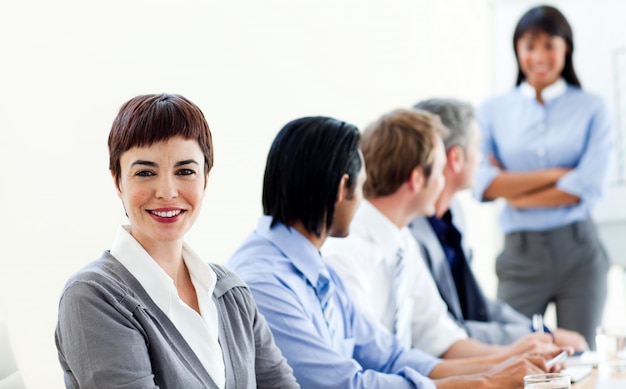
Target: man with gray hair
<point>447,254</point>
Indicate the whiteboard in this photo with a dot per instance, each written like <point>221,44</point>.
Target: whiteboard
<point>599,28</point>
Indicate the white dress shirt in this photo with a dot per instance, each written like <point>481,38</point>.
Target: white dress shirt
<point>200,331</point>
<point>365,260</point>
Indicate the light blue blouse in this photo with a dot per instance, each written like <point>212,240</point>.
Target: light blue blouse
<point>571,129</point>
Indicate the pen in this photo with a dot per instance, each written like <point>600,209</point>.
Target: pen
<point>558,359</point>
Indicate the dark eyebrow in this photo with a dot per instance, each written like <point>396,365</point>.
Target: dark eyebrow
<point>187,162</point>
<point>153,164</point>
<point>142,162</point>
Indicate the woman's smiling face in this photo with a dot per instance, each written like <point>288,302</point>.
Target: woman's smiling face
<point>162,187</point>
<point>541,58</point>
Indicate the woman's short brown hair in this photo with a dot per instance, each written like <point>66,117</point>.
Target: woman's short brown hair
<point>394,145</point>
<point>147,119</point>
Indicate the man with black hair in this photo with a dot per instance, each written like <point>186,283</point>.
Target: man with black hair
<point>312,188</point>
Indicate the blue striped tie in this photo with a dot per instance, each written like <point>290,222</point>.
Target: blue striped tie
<point>325,293</point>
<point>402,319</point>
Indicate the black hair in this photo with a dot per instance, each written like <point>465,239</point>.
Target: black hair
<point>305,164</point>
<point>551,21</point>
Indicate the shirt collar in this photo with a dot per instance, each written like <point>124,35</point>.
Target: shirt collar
<point>380,229</point>
<point>551,92</point>
<point>296,247</point>
<point>200,271</point>
<point>157,283</point>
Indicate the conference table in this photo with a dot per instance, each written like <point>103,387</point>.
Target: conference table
<point>588,382</point>
<point>593,381</point>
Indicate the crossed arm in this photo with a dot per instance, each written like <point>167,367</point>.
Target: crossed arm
<point>530,189</point>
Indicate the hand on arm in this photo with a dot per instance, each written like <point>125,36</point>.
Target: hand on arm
<point>573,339</point>
<point>482,353</point>
<point>462,366</point>
<point>541,344</point>
<point>535,347</point>
<point>471,348</point>
<point>535,342</point>
<point>547,197</point>
<point>463,357</point>
<point>508,374</point>
<point>529,189</point>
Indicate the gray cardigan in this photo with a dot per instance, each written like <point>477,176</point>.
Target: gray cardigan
<point>110,334</point>
<point>504,325</point>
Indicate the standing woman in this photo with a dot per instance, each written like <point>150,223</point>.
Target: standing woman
<point>150,312</point>
<point>549,145</point>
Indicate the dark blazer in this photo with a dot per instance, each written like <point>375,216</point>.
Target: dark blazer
<point>494,321</point>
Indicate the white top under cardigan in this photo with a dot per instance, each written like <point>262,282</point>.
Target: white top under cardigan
<point>200,332</point>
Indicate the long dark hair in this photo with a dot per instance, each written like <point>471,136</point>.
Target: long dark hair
<point>551,21</point>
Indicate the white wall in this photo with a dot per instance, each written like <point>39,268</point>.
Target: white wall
<point>68,65</point>
<point>251,66</point>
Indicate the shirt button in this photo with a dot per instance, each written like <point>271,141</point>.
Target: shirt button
<point>541,152</point>
<point>541,127</point>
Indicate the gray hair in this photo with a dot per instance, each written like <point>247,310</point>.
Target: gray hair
<point>456,115</point>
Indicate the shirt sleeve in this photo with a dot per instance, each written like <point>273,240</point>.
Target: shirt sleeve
<point>505,325</point>
<point>99,346</point>
<point>589,179</point>
<point>378,361</point>
<point>272,370</point>
<point>486,172</point>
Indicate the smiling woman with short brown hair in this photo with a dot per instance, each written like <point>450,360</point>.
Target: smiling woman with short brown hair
<point>150,312</point>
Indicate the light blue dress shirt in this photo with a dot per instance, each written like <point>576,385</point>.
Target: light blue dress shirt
<point>281,268</point>
<point>572,129</point>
